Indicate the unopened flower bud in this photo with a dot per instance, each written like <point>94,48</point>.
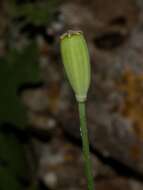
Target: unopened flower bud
<point>76,62</point>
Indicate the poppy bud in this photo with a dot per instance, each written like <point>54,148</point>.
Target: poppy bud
<point>76,62</point>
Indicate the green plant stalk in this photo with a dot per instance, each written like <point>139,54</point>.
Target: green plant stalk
<point>85,145</point>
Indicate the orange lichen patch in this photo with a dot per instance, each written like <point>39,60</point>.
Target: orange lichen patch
<point>55,167</point>
<point>69,157</point>
<point>70,153</point>
<point>44,48</point>
<point>53,93</point>
<point>135,152</point>
<point>131,86</point>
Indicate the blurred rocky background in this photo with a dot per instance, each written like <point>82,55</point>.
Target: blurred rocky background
<point>40,147</point>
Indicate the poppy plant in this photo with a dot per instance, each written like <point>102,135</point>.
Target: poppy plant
<point>75,57</point>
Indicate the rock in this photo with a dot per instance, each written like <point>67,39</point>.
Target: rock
<point>115,100</point>
<point>61,164</point>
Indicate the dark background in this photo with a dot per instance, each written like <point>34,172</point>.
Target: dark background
<point>40,146</point>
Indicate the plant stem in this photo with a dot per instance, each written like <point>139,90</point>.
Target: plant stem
<point>85,145</point>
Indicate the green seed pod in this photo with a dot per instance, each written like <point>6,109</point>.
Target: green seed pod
<point>76,61</point>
